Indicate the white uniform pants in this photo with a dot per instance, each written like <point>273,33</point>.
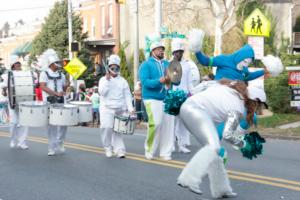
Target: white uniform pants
<point>18,133</point>
<point>111,141</point>
<point>56,136</point>
<point>181,133</point>
<point>160,129</point>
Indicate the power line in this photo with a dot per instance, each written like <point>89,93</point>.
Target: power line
<point>18,9</point>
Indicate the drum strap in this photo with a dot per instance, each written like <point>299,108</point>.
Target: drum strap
<point>54,79</point>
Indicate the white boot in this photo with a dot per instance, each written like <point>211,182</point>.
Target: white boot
<point>191,176</point>
<point>219,181</point>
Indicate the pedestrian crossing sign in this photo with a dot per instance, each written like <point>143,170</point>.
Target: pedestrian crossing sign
<point>75,68</point>
<point>256,24</point>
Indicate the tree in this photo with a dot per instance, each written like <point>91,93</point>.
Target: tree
<point>54,34</point>
<point>124,67</point>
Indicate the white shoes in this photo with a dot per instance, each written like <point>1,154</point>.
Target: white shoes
<point>166,158</point>
<point>22,146</point>
<point>183,149</point>
<point>61,148</point>
<point>12,144</point>
<point>51,152</point>
<point>228,195</point>
<point>121,155</point>
<point>148,156</point>
<point>108,153</point>
<point>193,189</point>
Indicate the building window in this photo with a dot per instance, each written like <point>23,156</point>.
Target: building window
<point>110,19</point>
<point>85,25</point>
<point>103,31</point>
<point>93,28</point>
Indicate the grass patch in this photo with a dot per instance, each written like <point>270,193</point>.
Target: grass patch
<point>278,119</point>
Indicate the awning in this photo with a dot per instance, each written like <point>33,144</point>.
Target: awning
<point>23,49</point>
<point>105,42</point>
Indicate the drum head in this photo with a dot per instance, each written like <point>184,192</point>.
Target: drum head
<point>174,72</point>
<point>11,90</point>
<point>34,103</point>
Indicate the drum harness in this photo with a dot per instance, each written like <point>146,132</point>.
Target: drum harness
<point>54,99</point>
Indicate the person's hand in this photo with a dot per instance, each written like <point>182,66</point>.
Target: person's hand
<point>59,94</point>
<point>164,80</point>
<point>107,75</point>
<point>267,73</point>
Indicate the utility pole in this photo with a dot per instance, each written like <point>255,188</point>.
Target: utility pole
<point>158,15</point>
<point>136,49</point>
<point>70,27</point>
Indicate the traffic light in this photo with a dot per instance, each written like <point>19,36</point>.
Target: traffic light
<point>120,1</point>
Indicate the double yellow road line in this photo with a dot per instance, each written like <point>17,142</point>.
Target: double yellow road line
<point>235,175</point>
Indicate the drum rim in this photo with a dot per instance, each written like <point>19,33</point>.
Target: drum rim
<point>80,103</point>
<point>62,106</point>
<point>43,103</point>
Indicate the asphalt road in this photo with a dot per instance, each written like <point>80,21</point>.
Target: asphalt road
<point>84,173</point>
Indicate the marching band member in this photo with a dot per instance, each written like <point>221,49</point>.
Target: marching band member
<point>160,130</point>
<point>225,101</point>
<point>18,133</point>
<point>115,98</point>
<point>53,84</point>
<point>186,84</point>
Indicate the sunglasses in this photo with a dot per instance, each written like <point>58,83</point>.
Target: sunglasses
<point>115,69</point>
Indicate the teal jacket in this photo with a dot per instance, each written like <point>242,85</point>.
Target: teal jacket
<point>149,74</point>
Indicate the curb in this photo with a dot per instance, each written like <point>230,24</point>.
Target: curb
<point>281,137</point>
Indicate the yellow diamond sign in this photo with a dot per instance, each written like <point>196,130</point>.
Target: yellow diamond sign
<point>257,24</point>
<point>75,68</point>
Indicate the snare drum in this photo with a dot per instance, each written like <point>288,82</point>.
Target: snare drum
<point>20,87</point>
<point>124,125</point>
<point>85,110</point>
<point>33,113</point>
<point>63,115</point>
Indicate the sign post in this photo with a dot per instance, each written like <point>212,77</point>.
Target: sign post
<point>257,26</point>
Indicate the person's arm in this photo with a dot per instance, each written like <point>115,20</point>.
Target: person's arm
<point>103,86</point>
<point>144,74</point>
<point>230,127</point>
<point>254,75</point>
<point>128,97</point>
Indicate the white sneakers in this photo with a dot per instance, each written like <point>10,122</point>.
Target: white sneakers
<point>183,149</point>
<point>51,152</point>
<point>166,158</point>
<point>228,195</point>
<point>61,148</point>
<point>194,189</point>
<point>18,146</point>
<point>121,155</point>
<point>148,156</point>
<point>108,153</point>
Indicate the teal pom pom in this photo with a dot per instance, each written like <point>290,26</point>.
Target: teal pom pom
<point>173,101</point>
<point>253,145</point>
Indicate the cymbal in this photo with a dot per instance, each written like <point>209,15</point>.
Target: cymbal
<point>174,72</point>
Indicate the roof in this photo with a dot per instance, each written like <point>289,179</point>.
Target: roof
<point>23,49</point>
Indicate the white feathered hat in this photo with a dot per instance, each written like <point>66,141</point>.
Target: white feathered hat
<point>177,44</point>
<point>114,60</point>
<point>47,58</point>
<point>256,93</point>
<point>273,64</point>
<point>13,60</point>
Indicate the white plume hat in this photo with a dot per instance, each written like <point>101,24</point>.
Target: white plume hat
<point>196,37</point>
<point>177,44</point>
<point>114,60</point>
<point>47,58</point>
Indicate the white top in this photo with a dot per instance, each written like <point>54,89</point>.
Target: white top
<point>115,93</point>
<point>50,83</point>
<point>217,101</point>
<point>186,83</point>
<point>194,73</point>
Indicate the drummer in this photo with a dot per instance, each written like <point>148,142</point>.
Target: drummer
<point>115,98</point>
<point>18,132</point>
<point>53,84</point>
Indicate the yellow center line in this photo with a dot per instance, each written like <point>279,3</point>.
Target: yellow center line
<point>179,165</point>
